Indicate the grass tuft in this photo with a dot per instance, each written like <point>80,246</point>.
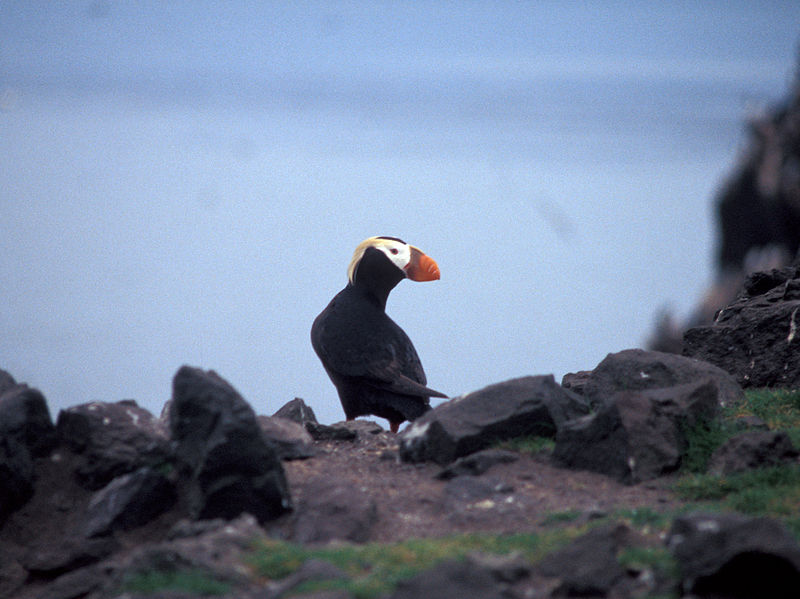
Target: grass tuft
<point>374,569</point>
<point>532,445</point>
<point>195,582</point>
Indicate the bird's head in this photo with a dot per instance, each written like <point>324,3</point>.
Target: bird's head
<point>409,260</point>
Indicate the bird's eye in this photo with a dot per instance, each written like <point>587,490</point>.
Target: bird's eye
<point>395,251</point>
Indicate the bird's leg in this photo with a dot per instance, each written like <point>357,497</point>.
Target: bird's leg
<point>393,426</point>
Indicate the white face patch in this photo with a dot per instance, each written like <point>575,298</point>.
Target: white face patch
<point>399,252</point>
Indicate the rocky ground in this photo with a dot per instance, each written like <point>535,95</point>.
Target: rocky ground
<point>109,493</point>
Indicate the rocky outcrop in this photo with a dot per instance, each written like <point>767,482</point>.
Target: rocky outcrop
<point>757,215</point>
<point>218,443</point>
<point>534,405</point>
<point>756,338</point>
<point>191,491</point>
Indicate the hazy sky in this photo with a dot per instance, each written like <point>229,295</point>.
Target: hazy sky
<point>185,182</point>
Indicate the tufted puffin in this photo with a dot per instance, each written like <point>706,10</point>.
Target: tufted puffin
<point>370,359</point>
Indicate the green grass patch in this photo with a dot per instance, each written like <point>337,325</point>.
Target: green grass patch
<point>196,582</point>
<point>374,569</point>
<point>773,492</point>
<point>554,518</point>
<point>657,559</point>
<point>645,517</point>
<point>779,408</point>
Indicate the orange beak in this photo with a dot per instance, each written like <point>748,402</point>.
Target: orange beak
<point>421,267</point>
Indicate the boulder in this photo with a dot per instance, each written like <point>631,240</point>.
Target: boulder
<point>24,416</point>
<point>588,566</point>
<point>6,381</point>
<point>26,432</point>
<point>16,476</point>
<point>113,439</point>
<point>638,370</point>
<point>220,446</point>
<point>756,338</point>
<point>533,405</point>
<point>451,580</point>
<point>129,501</point>
<point>637,435</point>
<point>298,411</point>
<point>730,555</point>
<point>333,509</point>
<point>290,439</point>
<point>753,449</point>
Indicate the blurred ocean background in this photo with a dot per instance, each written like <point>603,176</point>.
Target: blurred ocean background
<point>185,182</point>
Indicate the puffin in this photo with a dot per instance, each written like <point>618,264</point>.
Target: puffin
<point>368,357</point>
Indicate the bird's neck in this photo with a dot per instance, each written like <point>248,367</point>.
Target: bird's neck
<point>375,291</point>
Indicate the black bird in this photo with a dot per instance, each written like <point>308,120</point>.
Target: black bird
<point>370,359</point>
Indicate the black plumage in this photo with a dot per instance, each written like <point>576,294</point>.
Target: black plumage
<point>369,358</point>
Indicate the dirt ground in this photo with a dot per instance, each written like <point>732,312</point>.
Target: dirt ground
<point>412,502</point>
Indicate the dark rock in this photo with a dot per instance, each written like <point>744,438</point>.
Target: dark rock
<point>215,546</point>
<point>113,439</point>
<point>220,444</point>
<point>24,416</point>
<point>637,435</point>
<point>6,381</point>
<point>638,370</point>
<point>588,566</point>
<point>77,583</point>
<point>332,510</point>
<point>16,476</point>
<point>477,463</point>
<point>729,555</point>
<point>50,559</point>
<point>298,411</point>
<point>325,432</point>
<point>534,405</point>
<point>129,501</point>
<point>451,580</point>
<point>290,439</point>
<point>754,449</point>
<point>756,337</point>
<point>12,574</point>
<point>576,381</point>
<point>508,568</point>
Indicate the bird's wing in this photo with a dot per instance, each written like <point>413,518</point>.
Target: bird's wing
<point>387,360</point>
